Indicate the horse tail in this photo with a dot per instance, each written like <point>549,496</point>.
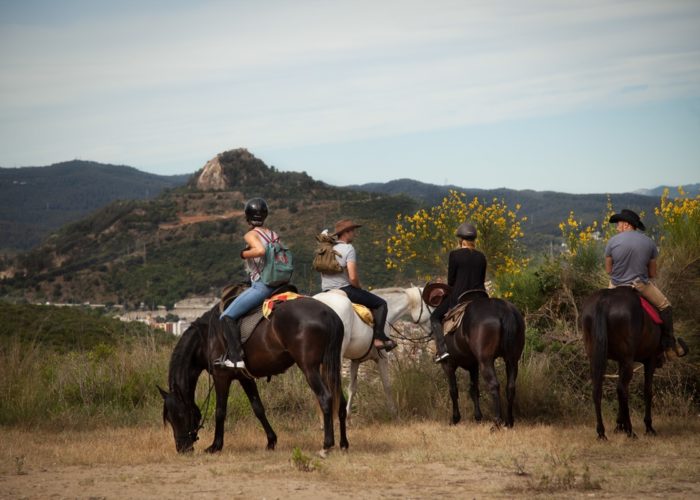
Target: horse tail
<point>330,369</point>
<point>599,337</point>
<point>512,330</point>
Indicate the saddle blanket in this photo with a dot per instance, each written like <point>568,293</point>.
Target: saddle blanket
<point>651,311</point>
<point>269,304</point>
<point>453,318</point>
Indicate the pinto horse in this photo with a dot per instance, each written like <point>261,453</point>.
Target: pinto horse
<point>616,327</point>
<point>357,344</point>
<point>302,331</point>
<point>491,328</point>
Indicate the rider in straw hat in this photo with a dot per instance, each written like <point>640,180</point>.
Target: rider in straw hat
<point>348,281</point>
<point>630,260</point>
<point>466,270</point>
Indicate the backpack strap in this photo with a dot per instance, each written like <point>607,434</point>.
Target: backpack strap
<point>267,239</point>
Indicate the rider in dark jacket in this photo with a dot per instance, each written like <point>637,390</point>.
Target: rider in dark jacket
<point>466,271</point>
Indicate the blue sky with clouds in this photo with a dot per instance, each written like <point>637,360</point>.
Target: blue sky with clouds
<point>575,96</point>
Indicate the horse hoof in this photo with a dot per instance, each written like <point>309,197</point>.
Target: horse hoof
<point>602,437</point>
<point>270,446</point>
<point>324,453</point>
<point>650,432</point>
<point>213,449</point>
<point>632,435</point>
<point>495,428</point>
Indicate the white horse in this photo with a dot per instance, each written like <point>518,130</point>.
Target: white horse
<point>358,346</point>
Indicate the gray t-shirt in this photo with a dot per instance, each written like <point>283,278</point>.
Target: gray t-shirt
<point>631,252</point>
<point>339,280</point>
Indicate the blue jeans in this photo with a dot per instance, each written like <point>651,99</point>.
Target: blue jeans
<point>249,299</point>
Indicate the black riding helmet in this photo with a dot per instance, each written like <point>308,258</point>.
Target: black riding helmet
<point>256,211</point>
<point>467,231</point>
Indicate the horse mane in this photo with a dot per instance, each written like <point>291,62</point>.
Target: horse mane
<point>181,358</point>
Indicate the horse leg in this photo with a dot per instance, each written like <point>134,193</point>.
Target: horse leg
<point>352,388</point>
<point>251,390</point>
<point>489,373</point>
<point>625,372</point>
<point>649,367</point>
<point>383,366</point>
<point>474,391</point>
<point>450,371</point>
<point>512,375</point>
<point>325,401</point>
<point>597,381</point>
<point>222,386</point>
<point>342,417</point>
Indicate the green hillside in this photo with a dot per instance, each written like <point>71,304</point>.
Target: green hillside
<point>188,239</point>
<point>37,200</point>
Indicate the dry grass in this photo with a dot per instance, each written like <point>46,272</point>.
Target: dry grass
<point>418,459</point>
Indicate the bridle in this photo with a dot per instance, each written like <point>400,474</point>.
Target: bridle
<point>424,339</point>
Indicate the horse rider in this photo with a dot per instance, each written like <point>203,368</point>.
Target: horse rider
<point>253,254</point>
<point>630,260</point>
<point>349,282</point>
<point>466,271</point>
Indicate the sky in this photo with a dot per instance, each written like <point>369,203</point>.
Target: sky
<point>574,96</point>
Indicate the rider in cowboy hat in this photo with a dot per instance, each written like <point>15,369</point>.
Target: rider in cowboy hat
<point>348,280</point>
<point>466,271</point>
<point>630,260</point>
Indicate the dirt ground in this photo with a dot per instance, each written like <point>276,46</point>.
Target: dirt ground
<point>389,460</point>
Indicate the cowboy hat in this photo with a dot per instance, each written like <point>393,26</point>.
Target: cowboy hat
<point>344,225</point>
<point>630,217</point>
<point>434,293</point>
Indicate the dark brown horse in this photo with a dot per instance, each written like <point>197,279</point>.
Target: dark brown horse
<point>616,327</point>
<point>491,328</point>
<point>302,331</point>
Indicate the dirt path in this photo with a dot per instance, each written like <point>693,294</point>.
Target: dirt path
<point>412,460</point>
<point>184,220</point>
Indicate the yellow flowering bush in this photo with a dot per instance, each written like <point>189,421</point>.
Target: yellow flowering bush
<point>679,218</point>
<point>423,240</point>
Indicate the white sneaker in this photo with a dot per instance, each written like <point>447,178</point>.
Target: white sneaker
<point>441,357</point>
<point>238,364</point>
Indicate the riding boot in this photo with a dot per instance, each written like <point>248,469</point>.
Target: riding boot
<point>439,338</point>
<point>379,317</point>
<point>234,355</point>
<point>672,348</point>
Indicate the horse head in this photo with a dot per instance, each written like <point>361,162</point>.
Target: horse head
<point>184,418</point>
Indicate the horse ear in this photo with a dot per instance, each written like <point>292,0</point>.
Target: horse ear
<point>163,392</point>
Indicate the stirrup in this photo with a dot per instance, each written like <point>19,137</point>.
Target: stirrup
<point>224,362</point>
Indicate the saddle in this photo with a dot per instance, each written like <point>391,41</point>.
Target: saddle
<point>453,318</point>
<point>250,320</point>
<point>363,312</point>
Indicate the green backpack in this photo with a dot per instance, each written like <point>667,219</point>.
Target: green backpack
<point>278,267</point>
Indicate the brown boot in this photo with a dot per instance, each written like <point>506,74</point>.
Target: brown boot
<point>672,348</point>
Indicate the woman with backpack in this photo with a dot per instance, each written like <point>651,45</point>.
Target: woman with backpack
<point>257,239</point>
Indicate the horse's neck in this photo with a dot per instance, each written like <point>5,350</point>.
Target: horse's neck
<point>187,362</point>
<point>398,303</point>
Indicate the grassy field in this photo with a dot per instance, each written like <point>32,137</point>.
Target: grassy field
<point>388,460</point>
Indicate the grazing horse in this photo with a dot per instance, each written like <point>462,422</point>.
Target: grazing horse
<point>357,344</point>
<point>491,328</point>
<point>302,331</point>
<point>616,327</point>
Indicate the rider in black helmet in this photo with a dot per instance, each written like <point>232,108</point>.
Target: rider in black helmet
<point>466,271</point>
<point>256,239</point>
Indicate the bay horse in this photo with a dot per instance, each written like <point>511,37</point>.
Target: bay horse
<point>357,343</point>
<point>302,331</point>
<point>490,328</point>
<point>616,327</point>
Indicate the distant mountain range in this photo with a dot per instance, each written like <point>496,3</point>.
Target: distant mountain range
<point>690,189</point>
<point>34,201</point>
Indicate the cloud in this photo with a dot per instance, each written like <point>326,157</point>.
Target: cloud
<point>277,74</point>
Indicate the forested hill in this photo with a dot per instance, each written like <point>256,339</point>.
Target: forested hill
<point>187,240</point>
<point>37,200</point>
